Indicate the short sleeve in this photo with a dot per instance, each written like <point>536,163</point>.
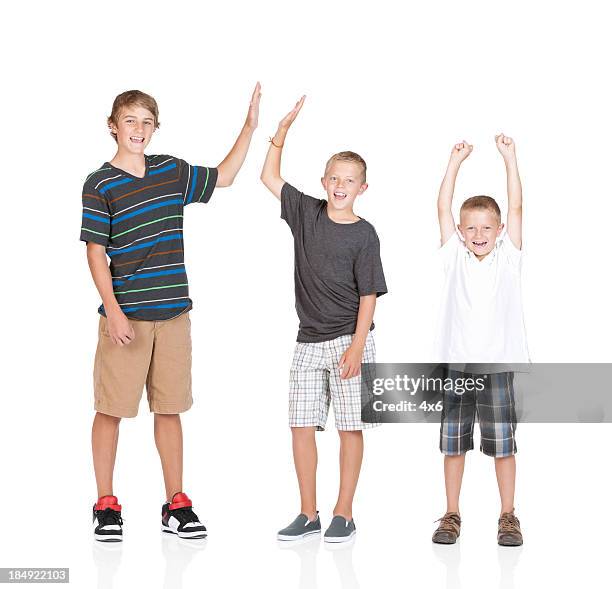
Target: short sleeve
<point>368,268</point>
<point>448,251</point>
<point>296,204</point>
<point>96,219</point>
<point>511,252</point>
<point>197,182</point>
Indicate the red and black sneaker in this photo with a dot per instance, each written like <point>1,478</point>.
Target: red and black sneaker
<point>107,520</point>
<point>179,518</point>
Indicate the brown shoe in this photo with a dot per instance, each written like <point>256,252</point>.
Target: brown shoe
<point>449,528</point>
<point>509,530</point>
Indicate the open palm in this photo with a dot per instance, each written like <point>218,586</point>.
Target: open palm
<point>291,116</point>
<point>253,114</point>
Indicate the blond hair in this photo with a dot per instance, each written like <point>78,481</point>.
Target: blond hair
<point>348,156</point>
<point>481,202</point>
<point>132,98</point>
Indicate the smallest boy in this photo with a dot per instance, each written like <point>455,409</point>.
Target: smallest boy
<point>481,322</point>
<point>338,276</point>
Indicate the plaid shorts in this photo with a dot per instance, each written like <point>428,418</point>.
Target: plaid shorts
<point>315,381</point>
<point>496,416</point>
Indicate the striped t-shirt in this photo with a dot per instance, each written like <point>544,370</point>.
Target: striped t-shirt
<point>140,223</point>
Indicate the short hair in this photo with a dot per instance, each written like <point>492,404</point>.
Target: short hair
<point>481,202</point>
<point>348,156</point>
<point>132,98</point>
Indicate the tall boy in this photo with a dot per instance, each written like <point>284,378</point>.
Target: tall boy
<point>133,213</point>
<point>338,275</point>
<point>481,323</point>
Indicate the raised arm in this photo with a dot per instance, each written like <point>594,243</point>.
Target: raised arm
<point>447,189</point>
<point>514,223</point>
<point>230,166</point>
<point>270,175</point>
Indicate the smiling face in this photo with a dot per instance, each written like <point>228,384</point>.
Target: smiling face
<point>133,129</point>
<point>343,182</point>
<point>480,229</point>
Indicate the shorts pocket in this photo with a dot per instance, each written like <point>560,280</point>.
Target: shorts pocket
<point>103,327</point>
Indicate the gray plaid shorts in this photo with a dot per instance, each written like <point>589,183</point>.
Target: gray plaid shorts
<point>496,416</point>
<point>315,381</point>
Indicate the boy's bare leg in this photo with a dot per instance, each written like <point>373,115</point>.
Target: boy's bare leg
<point>305,460</point>
<point>453,476</point>
<point>104,440</point>
<point>351,456</point>
<point>505,470</point>
<point>169,442</point>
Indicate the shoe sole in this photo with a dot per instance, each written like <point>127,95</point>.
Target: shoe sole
<point>286,538</point>
<point>338,539</point>
<point>446,543</point>
<point>510,544</point>
<point>186,535</point>
<point>108,538</point>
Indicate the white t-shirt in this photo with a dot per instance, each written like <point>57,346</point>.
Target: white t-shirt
<point>481,317</point>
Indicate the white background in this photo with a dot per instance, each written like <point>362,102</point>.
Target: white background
<point>397,85</point>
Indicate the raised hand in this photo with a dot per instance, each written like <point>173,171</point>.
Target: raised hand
<point>505,145</point>
<point>447,189</point>
<point>461,151</point>
<point>252,119</point>
<point>514,223</point>
<point>270,175</point>
<point>230,166</point>
<point>287,121</point>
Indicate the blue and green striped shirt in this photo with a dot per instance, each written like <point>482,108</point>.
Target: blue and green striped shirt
<point>140,223</point>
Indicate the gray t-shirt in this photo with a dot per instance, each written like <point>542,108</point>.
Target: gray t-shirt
<point>335,264</point>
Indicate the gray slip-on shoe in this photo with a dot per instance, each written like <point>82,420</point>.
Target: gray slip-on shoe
<point>340,530</point>
<point>300,528</point>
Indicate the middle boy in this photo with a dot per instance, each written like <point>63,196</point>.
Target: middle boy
<point>338,276</point>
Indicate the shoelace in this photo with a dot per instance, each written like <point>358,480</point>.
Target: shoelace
<point>448,522</point>
<point>109,517</point>
<point>509,523</point>
<point>185,515</point>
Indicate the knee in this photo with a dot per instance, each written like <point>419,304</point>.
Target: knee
<point>303,433</point>
<point>167,421</point>
<point>108,419</point>
<point>167,416</point>
<point>504,459</point>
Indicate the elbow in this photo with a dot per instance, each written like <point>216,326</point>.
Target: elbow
<point>224,177</point>
<point>265,178</point>
<point>95,252</point>
<point>223,181</point>
<point>443,211</point>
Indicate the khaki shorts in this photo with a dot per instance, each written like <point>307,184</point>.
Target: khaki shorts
<point>159,356</point>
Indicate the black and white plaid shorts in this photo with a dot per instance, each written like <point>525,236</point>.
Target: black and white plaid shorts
<point>496,416</point>
<point>315,382</point>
